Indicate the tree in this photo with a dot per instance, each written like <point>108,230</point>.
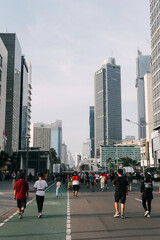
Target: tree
<point>54,156</point>
<point>3,159</point>
<point>127,162</point>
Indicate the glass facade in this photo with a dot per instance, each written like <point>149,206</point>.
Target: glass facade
<point>12,123</point>
<point>91,123</point>
<point>108,119</point>
<point>143,64</point>
<point>56,137</point>
<point>114,153</point>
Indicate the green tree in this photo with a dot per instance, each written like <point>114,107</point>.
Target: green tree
<point>127,161</point>
<point>3,158</point>
<point>54,156</point>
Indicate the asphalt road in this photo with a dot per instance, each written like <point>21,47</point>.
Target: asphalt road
<point>91,217</point>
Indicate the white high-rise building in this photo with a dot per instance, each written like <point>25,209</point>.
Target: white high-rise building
<point>64,154</point>
<point>3,83</point>
<point>149,116</point>
<point>41,136</point>
<point>86,149</point>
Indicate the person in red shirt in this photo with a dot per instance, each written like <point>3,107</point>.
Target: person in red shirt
<point>21,194</point>
<point>106,178</point>
<point>75,182</point>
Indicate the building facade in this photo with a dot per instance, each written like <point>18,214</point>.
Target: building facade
<point>64,154</point>
<point>41,136</point>
<point>3,84</point>
<point>143,63</point>
<point>12,122</point>
<point>108,116</point>
<point>56,137</point>
<point>25,107</point>
<point>113,154</point>
<point>91,127</point>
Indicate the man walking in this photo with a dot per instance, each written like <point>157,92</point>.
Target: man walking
<point>121,191</point>
<point>21,194</point>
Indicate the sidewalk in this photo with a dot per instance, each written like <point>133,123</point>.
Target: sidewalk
<point>52,225</point>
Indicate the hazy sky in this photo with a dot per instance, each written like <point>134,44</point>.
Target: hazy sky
<point>66,42</point>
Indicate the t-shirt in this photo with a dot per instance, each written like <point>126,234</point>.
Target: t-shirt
<point>146,189</point>
<point>58,185</point>
<point>75,180</point>
<point>21,188</point>
<point>106,177</point>
<point>92,177</point>
<point>120,184</point>
<point>41,185</point>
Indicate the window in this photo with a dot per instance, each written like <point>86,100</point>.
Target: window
<point>0,61</point>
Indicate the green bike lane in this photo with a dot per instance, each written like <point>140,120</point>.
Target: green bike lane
<point>52,225</point>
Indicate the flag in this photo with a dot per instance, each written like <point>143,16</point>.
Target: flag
<point>4,140</point>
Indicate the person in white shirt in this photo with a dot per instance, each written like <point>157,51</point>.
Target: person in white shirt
<point>58,189</point>
<point>40,185</point>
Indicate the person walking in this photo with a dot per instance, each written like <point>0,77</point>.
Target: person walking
<point>21,189</point>
<point>75,183</point>
<point>146,194</point>
<point>58,189</point>
<point>130,179</point>
<point>121,191</point>
<point>106,178</point>
<point>91,179</point>
<point>102,182</point>
<point>40,185</point>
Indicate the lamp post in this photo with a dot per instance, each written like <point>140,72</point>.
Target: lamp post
<point>27,140</point>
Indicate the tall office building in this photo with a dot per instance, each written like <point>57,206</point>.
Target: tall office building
<point>155,52</point>
<point>41,136</point>
<point>56,137</point>
<point>12,122</point>
<point>3,83</point>
<point>143,63</point>
<point>25,107</point>
<point>108,117</point>
<point>64,154</point>
<point>91,126</point>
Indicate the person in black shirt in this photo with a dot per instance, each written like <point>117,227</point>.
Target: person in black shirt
<point>121,191</point>
<point>146,194</point>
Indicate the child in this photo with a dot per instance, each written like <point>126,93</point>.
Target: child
<point>58,189</point>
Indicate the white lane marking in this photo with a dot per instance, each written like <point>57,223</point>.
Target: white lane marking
<point>6,220</point>
<point>68,223</point>
<point>138,199</point>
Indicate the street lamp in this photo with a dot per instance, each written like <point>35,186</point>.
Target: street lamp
<point>27,140</point>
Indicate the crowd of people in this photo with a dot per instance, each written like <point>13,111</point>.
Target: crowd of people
<point>121,182</point>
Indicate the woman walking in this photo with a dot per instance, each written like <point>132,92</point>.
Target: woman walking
<point>40,185</point>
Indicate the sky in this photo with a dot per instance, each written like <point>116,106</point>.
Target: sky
<point>66,42</point>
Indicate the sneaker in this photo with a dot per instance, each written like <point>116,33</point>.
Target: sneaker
<point>39,215</point>
<point>122,216</point>
<point>116,215</point>
<point>20,216</point>
<point>146,213</point>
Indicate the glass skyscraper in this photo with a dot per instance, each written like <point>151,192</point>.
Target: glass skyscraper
<point>12,122</point>
<point>108,117</point>
<point>91,124</point>
<point>143,63</point>
<point>56,137</point>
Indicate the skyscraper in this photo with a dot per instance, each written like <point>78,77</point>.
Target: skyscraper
<point>142,66</point>
<point>108,119</point>
<point>155,52</point>
<point>56,137</point>
<point>3,83</point>
<point>25,107</point>
<point>12,122</point>
<point>91,125</point>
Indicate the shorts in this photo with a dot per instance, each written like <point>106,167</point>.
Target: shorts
<point>21,203</point>
<point>92,183</point>
<point>75,187</point>
<point>96,180</point>
<point>120,197</point>
<point>105,181</point>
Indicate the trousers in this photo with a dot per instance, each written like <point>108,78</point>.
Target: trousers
<point>148,201</point>
<point>40,200</point>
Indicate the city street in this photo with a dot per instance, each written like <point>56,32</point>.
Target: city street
<point>91,217</point>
